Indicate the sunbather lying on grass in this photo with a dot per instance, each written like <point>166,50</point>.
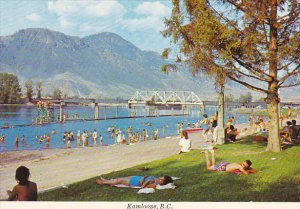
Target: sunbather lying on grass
<point>242,167</point>
<point>136,181</point>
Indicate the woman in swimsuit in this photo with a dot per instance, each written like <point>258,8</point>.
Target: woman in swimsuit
<point>205,125</point>
<point>136,181</point>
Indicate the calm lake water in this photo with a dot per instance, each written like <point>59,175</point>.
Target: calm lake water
<point>17,115</point>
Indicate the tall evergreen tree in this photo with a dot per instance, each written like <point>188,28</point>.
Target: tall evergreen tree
<point>256,42</point>
<point>57,94</point>
<point>29,89</point>
<point>39,89</point>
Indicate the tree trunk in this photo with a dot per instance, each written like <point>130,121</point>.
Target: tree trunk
<point>272,99</point>
<point>221,128</point>
<point>273,123</point>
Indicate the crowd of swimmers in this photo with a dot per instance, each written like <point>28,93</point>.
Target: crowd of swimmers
<point>130,136</point>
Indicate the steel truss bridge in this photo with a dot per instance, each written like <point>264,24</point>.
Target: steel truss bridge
<point>166,98</point>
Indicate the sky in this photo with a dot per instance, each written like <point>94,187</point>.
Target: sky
<point>137,21</point>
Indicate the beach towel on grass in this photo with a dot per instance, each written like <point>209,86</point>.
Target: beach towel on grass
<point>238,172</point>
<point>150,190</point>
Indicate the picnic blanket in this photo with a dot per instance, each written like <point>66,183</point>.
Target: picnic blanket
<point>238,172</point>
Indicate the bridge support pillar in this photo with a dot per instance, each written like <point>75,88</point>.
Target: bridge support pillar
<point>104,112</point>
<point>61,112</point>
<point>117,112</point>
<point>96,111</point>
<point>172,110</point>
<point>182,109</point>
<point>147,111</point>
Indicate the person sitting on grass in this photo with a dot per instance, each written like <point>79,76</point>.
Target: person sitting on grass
<point>240,167</point>
<point>295,131</point>
<point>185,143</point>
<point>231,134</point>
<point>286,133</point>
<point>25,190</point>
<point>136,181</point>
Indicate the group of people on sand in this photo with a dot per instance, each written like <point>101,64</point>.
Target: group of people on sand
<point>209,126</point>
<point>257,125</point>
<point>83,138</point>
<point>140,135</point>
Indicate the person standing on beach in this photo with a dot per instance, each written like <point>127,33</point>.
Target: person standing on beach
<point>23,139</point>
<point>47,141</point>
<point>156,134</point>
<point>94,137</point>
<point>25,190</point>
<point>78,138</point>
<point>289,114</point>
<point>229,122</point>
<point>85,138</point>
<point>251,121</point>
<point>17,141</point>
<point>101,139</point>
<point>205,125</point>
<point>214,126</point>
<point>178,128</point>
<point>144,135</point>
<point>69,143</point>
<point>119,136</point>
<point>65,137</point>
<point>233,121</point>
<point>2,138</point>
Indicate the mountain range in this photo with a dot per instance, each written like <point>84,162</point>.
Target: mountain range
<point>100,65</point>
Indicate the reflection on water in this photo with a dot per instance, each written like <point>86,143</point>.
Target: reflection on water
<point>16,115</point>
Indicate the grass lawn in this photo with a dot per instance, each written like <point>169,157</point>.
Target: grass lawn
<point>276,180</point>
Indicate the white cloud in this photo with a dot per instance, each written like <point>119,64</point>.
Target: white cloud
<point>65,23</point>
<point>139,24</point>
<point>68,11</point>
<point>153,14</point>
<point>97,8</point>
<point>153,9</point>
<point>33,17</point>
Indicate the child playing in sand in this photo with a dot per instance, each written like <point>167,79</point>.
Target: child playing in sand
<point>25,190</point>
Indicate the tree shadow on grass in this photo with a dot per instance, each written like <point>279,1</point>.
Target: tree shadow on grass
<point>285,189</point>
<point>196,184</point>
<point>261,144</point>
<point>249,141</point>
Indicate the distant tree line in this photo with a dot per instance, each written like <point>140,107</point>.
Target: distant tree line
<point>11,92</point>
<point>245,98</point>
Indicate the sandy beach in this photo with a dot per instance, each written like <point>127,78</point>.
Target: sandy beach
<point>57,167</point>
<point>52,168</point>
